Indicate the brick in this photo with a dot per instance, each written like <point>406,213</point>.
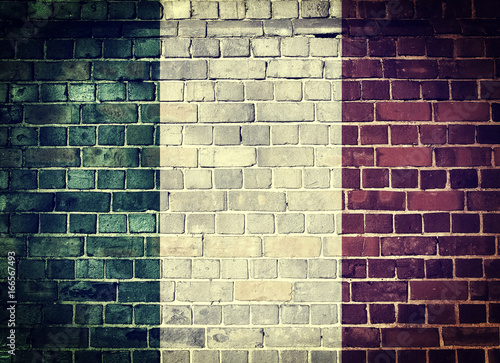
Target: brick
<point>292,337</point>
<point>278,27</point>
<point>379,291</point>
<point>488,134</point>
<point>314,200</point>
<point>402,156</point>
<point>432,134</point>
<point>463,178</point>
<point>234,28</point>
<point>227,112</point>
<point>357,111</point>
<point>405,69</point>
<point>463,156</point>
<point>438,290</point>
<point>180,70</point>
<point>433,179</point>
<point>296,246</point>
<point>285,156</point>
<point>405,90</point>
<point>376,200</point>
<point>205,291</point>
<point>412,111</point>
<point>197,201</point>
<point>180,246</point>
<point>462,111</point>
<point>360,246</point>
<point>234,337</point>
<point>232,246</point>
<point>415,338</point>
<point>11,158</point>
<point>62,71</point>
<point>411,46</point>
<point>375,178</point>
<point>361,68</point>
<point>382,47</point>
<point>465,68</point>
<point>329,111</point>
<point>175,156</point>
<point>51,114</point>
<point>441,200</point>
<point>316,26</point>
<point>285,10</point>
<point>487,336</point>
<point>300,68</point>
<point>322,291</point>
<point>39,202</point>
<point>466,245</point>
<point>357,48</point>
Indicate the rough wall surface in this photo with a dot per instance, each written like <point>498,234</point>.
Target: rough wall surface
<point>420,146</point>
<point>172,177</point>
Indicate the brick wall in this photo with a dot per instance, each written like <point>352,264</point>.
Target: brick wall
<point>420,245</point>
<point>177,185</point>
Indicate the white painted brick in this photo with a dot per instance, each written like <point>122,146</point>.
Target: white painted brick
<point>177,9</point>
<point>197,201</point>
<point>200,91</point>
<point>285,156</point>
<point>317,26</point>
<point>323,268</point>
<point>287,178</point>
<point>328,156</point>
<point>264,268</point>
<point>209,48</point>
<point>324,314</point>
<point>329,111</point>
<point>232,9</point>
<point>295,314</point>
<point>205,9</point>
<point>176,268</point>
<point>230,91</point>
<point>180,246</point>
<point>288,90</point>
<point>236,314</point>
<point>333,69</point>
<point>266,47</point>
<point>234,269</point>
<point>285,134</point>
<point>257,178</point>
<point>313,134</point>
<point>177,315</point>
<point>170,134</point>
<point>293,337</point>
<point>278,27</point>
<point>230,28</point>
<point>258,9</point>
<point>183,69</point>
<point>227,135</point>
<point>172,223</point>
<point>171,91</point>
<point>234,246</point>
<point>292,268</point>
<point>324,47</point>
<point>197,135</point>
<point>317,91</point>
<point>235,47</point>
<point>315,9</point>
<point>260,223</point>
<point>255,135</point>
<point>290,223</point>
<point>259,91</point>
<point>262,201</point>
<point>295,47</point>
<point>204,291</point>
<point>237,69</point>
<point>200,223</point>
<point>234,338</point>
<point>285,112</point>
<point>332,246</point>
<point>292,246</point>
<point>230,223</point>
<point>228,178</point>
<point>227,156</point>
<point>316,178</point>
<point>227,112</point>
<point>178,156</point>
<point>192,28</point>
<point>176,48</point>
<point>318,291</point>
<point>206,269</point>
<point>265,315</point>
<point>314,200</point>
<point>171,179</point>
<point>285,9</point>
<point>320,223</point>
<point>332,337</point>
<point>178,113</point>
<point>207,314</point>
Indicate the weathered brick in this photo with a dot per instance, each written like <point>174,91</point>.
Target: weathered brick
<point>227,112</point>
<point>234,28</point>
<point>180,246</point>
<point>263,290</point>
<point>62,71</point>
<point>138,201</point>
<point>206,291</point>
<point>220,338</point>
<point>438,290</point>
<point>314,200</point>
<point>462,111</point>
<point>442,200</point>
<point>404,156</point>
<point>227,156</point>
<point>280,112</point>
<point>285,156</point>
<point>177,337</point>
<point>256,201</point>
<point>181,70</point>
<point>237,69</point>
<point>55,246</point>
<point>316,26</point>
<point>197,201</point>
<point>11,158</point>
<point>232,246</point>
<point>300,68</point>
<point>109,113</point>
<point>120,71</point>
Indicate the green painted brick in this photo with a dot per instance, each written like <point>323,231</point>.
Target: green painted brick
<point>11,114</point>
<point>121,71</point>
<point>141,91</point>
<point>87,291</point>
<point>146,356</point>
<point>36,291</point>
<point>111,179</point>
<point>58,314</point>
<point>147,314</point>
<point>53,136</point>
<point>88,48</point>
<point>29,313</point>
<point>55,246</point>
<point>81,179</point>
<point>121,10</point>
<point>85,356</point>
<point>140,135</point>
<point>4,179</point>
<point>4,223</point>
<point>16,71</point>
<point>111,157</point>
<point>16,244</point>
<point>24,223</point>
<point>77,337</point>
<point>147,48</point>
<point>112,223</point>
<point>147,291</point>
<point>117,48</point>
<point>23,136</point>
<point>52,179</point>
<point>111,91</point>
<point>136,201</point>
<point>109,113</point>
<point>59,49</point>
<point>61,269</point>
<point>88,314</point>
<point>111,356</point>
<point>24,93</point>
<point>115,246</point>
<point>111,135</point>
<point>150,113</point>
<point>26,202</point>
<point>140,179</point>
<point>53,223</point>
<point>119,269</point>
<point>94,10</point>
<point>62,71</point>
<point>118,337</point>
<point>143,29</point>
<point>83,223</point>
<point>149,10</point>
<point>82,92</point>
<point>52,114</point>
<point>30,49</point>
<point>118,314</point>
<point>147,269</point>
<point>31,269</point>
<point>53,92</point>
<point>89,269</point>
<point>23,179</point>
<point>82,201</point>
<point>67,10</point>
<point>142,223</point>
<point>82,135</point>
<point>4,92</point>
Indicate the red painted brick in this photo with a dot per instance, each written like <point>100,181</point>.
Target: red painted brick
<point>360,246</point>
<point>410,268</point>
<point>408,223</point>
<point>405,90</point>
<point>407,246</point>
<point>441,314</point>
<point>404,134</point>
<point>382,355</point>
<point>464,90</point>
<point>463,156</point>
<point>353,268</point>
<point>349,135</point>
<point>466,245</point>
<point>346,294</point>
<point>439,268</point>
<point>488,134</point>
<point>374,134</point>
<point>379,291</point>
<point>382,313</point>
<point>496,155</point>
<point>432,179</point>
<point>406,27</point>
<point>406,68</point>
<point>375,178</point>
<point>439,47</point>
<point>411,46</point>
<point>376,200</point>
<point>349,8</point>
<point>403,9</point>
<point>466,68</point>
<point>381,268</point>
<point>350,178</point>
<point>492,268</point>
<point>357,156</point>
<point>375,90</point>
<point>458,9</point>
<point>404,156</point>
<point>360,337</point>
<point>410,337</point>
<point>469,267</point>
<point>378,223</point>
<point>435,90</point>
<point>351,90</point>
<point>432,134</point>
<point>357,111</point>
<point>461,111</point>
<point>354,314</point>
<point>361,27</point>
<point>439,290</point>
<point>383,47</point>
<point>361,68</point>
<point>471,336</point>
<point>470,47</point>
<point>354,356</point>
<point>484,200</point>
<point>411,314</point>
<point>463,178</point>
<point>491,223</point>
<point>412,356</point>
<point>465,223</point>
<point>404,178</point>
<point>479,290</point>
<point>436,222</point>
<point>353,47</point>
<point>403,111</point>
<point>461,134</point>
<point>446,26</point>
<point>436,201</point>
<point>352,223</point>
<point>492,47</point>
<point>370,9</point>
<point>490,90</point>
